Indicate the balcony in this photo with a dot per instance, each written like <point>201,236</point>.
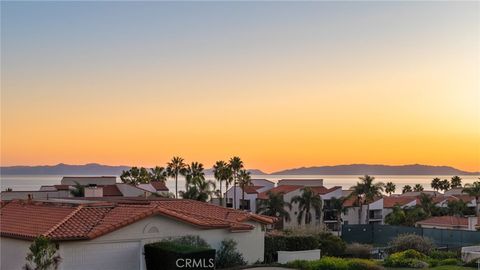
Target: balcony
<point>375,214</point>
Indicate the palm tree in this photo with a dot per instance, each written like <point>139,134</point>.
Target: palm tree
<point>193,173</point>
<point>435,184</point>
<point>222,173</point>
<point>444,185</point>
<point>136,176</point>
<point>236,164</point>
<point>427,204</point>
<point>474,191</point>
<point>366,192</point>
<point>199,190</point>
<point>78,190</point>
<point>338,205</point>
<point>457,208</point>
<point>244,180</point>
<point>274,206</point>
<point>418,188</point>
<point>43,255</point>
<point>158,174</point>
<point>390,188</point>
<point>175,167</point>
<point>306,202</point>
<point>406,188</point>
<point>456,182</point>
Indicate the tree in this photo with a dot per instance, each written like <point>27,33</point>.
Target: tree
<point>418,188</point>
<point>43,255</point>
<point>444,185</point>
<point>427,204</point>
<point>158,174</point>
<point>390,188</point>
<point>236,164</point>
<point>396,217</point>
<point>194,173</point>
<point>78,190</point>
<point>200,190</point>
<point>435,184</point>
<point>274,206</point>
<point>474,191</point>
<point>456,182</point>
<point>222,172</point>
<point>367,191</point>
<point>338,205</point>
<point>136,176</point>
<point>457,208</point>
<point>307,201</point>
<point>406,188</point>
<point>174,168</point>
<point>244,180</point>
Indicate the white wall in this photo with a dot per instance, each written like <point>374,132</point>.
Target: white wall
<point>250,243</point>
<point>251,197</point>
<point>10,195</point>
<point>13,253</point>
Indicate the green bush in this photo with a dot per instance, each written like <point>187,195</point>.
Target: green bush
<point>228,256</point>
<point>333,263</point>
<point>451,261</point>
<point>441,255</point>
<point>188,240</point>
<point>273,244</point>
<point>331,245</point>
<point>411,241</point>
<point>408,258</point>
<point>356,250</point>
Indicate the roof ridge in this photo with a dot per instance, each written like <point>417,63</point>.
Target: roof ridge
<point>63,220</point>
<point>98,221</point>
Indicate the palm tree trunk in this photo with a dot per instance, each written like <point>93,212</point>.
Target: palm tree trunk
<point>367,216</point>
<point>226,193</point>
<point>221,199</point>
<point>235,191</point>
<point>176,185</point>
<point>243,200</point>
<point>360,214</point>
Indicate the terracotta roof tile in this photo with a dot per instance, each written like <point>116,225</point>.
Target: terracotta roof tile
<point>391,201</point>
<point>159,185</point>
<point>252,189</point>
<point>449,221</point>
<point>279,189</point>
<point>111,190</point>
<point>71,221</point>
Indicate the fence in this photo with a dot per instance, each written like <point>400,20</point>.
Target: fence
<point>380,235</point>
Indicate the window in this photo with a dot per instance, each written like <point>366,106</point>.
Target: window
<point>245,204</point>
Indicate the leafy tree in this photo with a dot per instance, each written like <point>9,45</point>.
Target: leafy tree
<point>396,217</point>
<point>307,201</point>
<point>436,184</point>
<point>228,256</point>
<point>175,168</point>
<point>444,185</point>
<point>136,176</point>
<point>457,208</point>
<point>274,206</point>
<point>338,205</point>
<point>236,164</point>
<point>474,191</point>
<point>78,190</point>
<point>456,182</point>
<point>390,188</point>
<point>366,191</point>
<point>427,204</point>
<point>43,255</point>
<point>201,190</point>
<point>158,174</point>
<point>407,188</point>
<point>414,214</point>
<point>418,188</point>
<point>222,172</point>
<point>244,180</point>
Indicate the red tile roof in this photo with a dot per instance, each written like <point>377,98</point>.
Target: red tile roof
<point>323,190</point>
<point>279,189</point>
<point>445,221</point>
<point>71,221</point>
<point>111,190</point>
<point>391,201</point>
<point>159,186</point>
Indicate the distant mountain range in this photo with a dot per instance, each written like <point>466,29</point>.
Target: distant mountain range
<point>87,169</point>
<point>361,169</point>
<point>353,169</point>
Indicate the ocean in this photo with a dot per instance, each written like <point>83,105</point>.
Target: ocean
<point>33,182</point>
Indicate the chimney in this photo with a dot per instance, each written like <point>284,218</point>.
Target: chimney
<point>472,223</point>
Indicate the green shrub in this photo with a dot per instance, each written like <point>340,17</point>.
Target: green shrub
<point>441,255</point>
<point>331,245</point>
<point>411,241</point>
<point>333,263</point>
<point>451,261</point>
<point>188,240</point>
<point>408,258</point>
<point>228,256</point>
<point>287,243</point>
<point>356,250</point>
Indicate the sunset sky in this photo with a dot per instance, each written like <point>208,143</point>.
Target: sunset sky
<point>281,84</point>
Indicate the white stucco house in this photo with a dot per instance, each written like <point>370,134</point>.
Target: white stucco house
<point>110,235</point>
<point>250,195</point>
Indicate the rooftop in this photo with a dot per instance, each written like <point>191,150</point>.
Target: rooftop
<point>86,219</point>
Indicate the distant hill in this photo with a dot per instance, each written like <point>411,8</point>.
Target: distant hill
<point>87,169</point>
<point>360,169</point>
<point>64,169</point>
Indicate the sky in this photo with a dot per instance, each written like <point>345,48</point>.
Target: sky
<point>280,84</point>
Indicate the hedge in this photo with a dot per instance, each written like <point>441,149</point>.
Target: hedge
<point>164,255</point>
<point>333,263</point>
<point>273,244</point>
